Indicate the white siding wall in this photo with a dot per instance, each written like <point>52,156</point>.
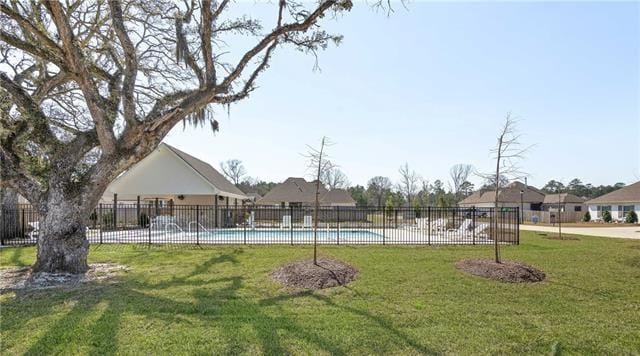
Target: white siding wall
<point>615,214</point>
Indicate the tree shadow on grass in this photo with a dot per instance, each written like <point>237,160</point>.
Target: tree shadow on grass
<point>375,319</point>
<point>95,314</point>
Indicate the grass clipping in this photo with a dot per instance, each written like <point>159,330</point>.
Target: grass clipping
<point>305,274</point>
<point>507,271</point>
<point>25,279</point>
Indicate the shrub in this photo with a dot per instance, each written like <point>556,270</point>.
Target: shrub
<point>631,217</point>
<point>586,217</point>
<point>606,216</point>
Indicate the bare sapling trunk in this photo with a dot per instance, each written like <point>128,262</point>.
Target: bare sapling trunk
<point>496,245</point>
<point>317,204</point>
<point>507,152</point>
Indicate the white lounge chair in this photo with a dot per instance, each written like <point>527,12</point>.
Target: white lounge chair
<point>35,225</point>
<point>439,225</point>
<point>251,221</point>
<point>286,222</point>
<point>479,230</point>
<point>463,228</point>
<point>161,221</point>
<point>307,221</point>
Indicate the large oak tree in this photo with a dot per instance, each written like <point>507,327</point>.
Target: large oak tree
<point>88,88</point>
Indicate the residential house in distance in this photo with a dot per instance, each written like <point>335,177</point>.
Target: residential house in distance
<point>169,176</point>
<point>298,192</point>
<point>618,203</point>
<point>514,195</point>
<point>568,202</point>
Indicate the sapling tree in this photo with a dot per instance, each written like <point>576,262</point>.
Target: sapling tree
<point>87,89</point>
<point>507,154</point>
<point>319,164</point>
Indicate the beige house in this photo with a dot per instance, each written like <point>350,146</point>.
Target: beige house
<point>298,192</point>
<point>514,195</point>
<point>169,176</point>
<point>618,203</point>
<point>568,202</point>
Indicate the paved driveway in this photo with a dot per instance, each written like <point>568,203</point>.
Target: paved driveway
<point>624,232</point>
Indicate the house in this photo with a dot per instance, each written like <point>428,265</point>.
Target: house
<point>514,195</point>
<point>618,203</point>
<point>253,197</point>
<point>169,176</point>
<point>568,202</point>
<point>298,192</point>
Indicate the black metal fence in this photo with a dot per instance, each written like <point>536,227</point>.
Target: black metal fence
<point>205,224</point>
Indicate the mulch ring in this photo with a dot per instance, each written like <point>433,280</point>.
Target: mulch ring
<point>24,279</point>
<point>305,274</point>
<point>507,271</point>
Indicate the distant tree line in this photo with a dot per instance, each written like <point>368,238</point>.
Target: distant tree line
<point>410,190</point>
<point>575,186</point>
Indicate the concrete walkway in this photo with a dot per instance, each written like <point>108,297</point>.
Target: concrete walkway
<point>624,232</point>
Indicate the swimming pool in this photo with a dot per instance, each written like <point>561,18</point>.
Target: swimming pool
<point>284,234</point>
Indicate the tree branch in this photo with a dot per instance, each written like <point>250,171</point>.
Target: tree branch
<point>76,61</point>
<point>131,62</point>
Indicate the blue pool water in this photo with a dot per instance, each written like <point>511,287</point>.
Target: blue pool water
<point>258,234</point>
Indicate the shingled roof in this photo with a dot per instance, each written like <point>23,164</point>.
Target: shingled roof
<point>628,194</point>
<point>565,198</point>
<point>508,194</point>
<point>298,190</point>
<point>209,173</point>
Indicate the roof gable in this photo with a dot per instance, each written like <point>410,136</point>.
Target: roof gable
<point>627,194</point>
<point>210,174</point>
<point>168,171</point>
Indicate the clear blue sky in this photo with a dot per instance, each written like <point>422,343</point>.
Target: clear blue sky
<point>431,85</point>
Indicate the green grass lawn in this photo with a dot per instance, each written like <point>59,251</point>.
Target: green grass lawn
<point>407,300</point>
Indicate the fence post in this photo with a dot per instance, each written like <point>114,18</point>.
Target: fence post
<point>244,223</point>
<point>198,225</point>
<point>473,219</point>
<point>101,222</point>
<point>22,223</point>
<point>518,229</point>
<point>149,211</point>
<point>429,225</point>
<point>384,225</point>
<point>338,225</point>
<point>115,211</point>
<point>291,223</point>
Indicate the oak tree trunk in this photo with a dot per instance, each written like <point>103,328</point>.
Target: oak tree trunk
<point>62,241</point>
<point>8,213</point>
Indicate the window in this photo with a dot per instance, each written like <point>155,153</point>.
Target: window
<point>577,208</point>
<point>602,208</point>
<point>623,210</point>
